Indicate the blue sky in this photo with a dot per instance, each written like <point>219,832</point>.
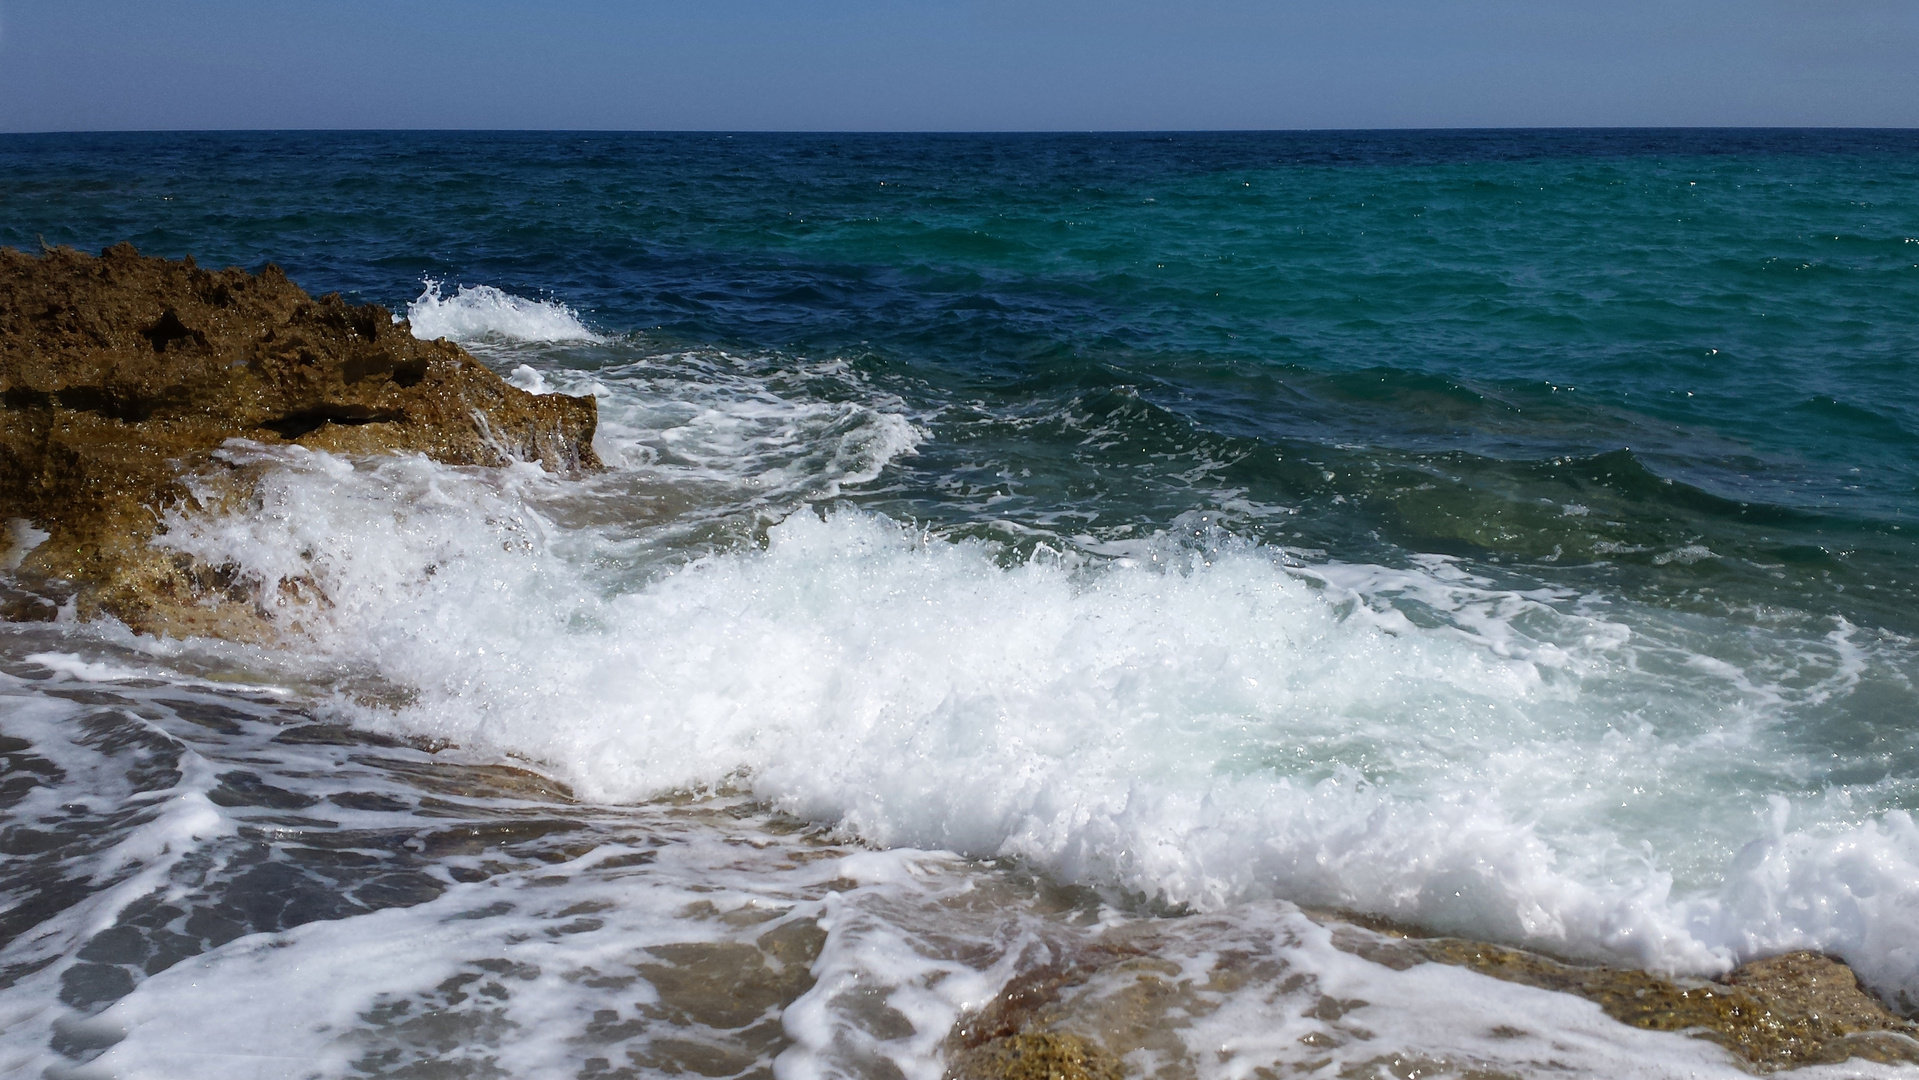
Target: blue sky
<point>981,65</point>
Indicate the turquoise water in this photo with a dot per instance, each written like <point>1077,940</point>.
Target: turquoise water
<point>1707,337</point>
<point>1508,533</point>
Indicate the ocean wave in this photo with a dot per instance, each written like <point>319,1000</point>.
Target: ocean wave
<point>483,313</point>
<point>751,429</point>
<point>1204,720</point>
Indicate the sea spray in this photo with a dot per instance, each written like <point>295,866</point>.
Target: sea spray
<point>1204,722</point>
<point>482,313</point>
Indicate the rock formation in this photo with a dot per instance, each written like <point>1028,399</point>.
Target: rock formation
<point>1088,1012</point>
<point>121,374</point>
<point>1780,1012</point>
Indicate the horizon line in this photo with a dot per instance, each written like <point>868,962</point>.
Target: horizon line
<point>1460,129</point>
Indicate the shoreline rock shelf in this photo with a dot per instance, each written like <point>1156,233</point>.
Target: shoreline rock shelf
<point>1082,1017</point>
<point>1772,1013</point>
<point>121,374</point>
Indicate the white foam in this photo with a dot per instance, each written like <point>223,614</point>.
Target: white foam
<point>912,942</point>
<point>138,864</point>
<point>1850,891</point>
<point>1211,724</point>
<point>479,313</point>
<point>18,541</point>
<point>71,666</point>
<point>749,434</point>
<point>528,379</point>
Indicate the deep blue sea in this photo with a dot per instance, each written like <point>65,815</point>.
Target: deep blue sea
<point>1010,544</point>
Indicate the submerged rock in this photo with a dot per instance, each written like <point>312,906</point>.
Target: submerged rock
<point>122,374</point>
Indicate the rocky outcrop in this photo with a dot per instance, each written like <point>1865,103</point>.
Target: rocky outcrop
<point>121,374</point>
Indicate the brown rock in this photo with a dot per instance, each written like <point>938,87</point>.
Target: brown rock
<point>1783,1012</point>
<point>1772,1015</point>
<point>120,374</point>
<point>1037,1055</point>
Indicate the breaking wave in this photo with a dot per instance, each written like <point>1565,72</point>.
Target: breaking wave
<point>484,313</point>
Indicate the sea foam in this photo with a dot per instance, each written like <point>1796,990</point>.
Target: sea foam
<point>484,313</point>
<point>1192,717</point>
<point>556,936</point>
<point>1205,721</point>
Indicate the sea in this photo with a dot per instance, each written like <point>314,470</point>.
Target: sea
<point>1120,563</point>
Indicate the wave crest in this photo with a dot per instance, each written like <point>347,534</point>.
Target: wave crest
<point>484,313</point>
<point>1209,725</point>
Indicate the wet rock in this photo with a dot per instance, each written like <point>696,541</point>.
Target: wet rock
<point>1037,1055</point>
<point>1783,1012</point>
<point>120,375</point>
<point>1092,1010</point>
<point>1014,1036</point>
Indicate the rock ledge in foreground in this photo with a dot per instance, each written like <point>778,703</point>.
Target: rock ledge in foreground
<point>121,374</point>
<point>1093,1010</point>
<point>1781,1012</point>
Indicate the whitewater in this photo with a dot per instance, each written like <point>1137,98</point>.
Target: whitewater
<point>705,641</point>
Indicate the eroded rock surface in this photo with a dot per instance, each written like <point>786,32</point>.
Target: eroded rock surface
<point>1781,1012</point>
<point>121,374</point>
<point>1038,1055</point>
<point>1106,1010</point>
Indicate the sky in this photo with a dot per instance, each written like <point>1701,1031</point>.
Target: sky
<point>972,65</point>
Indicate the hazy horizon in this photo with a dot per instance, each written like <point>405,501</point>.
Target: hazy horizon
<point>864,65</point>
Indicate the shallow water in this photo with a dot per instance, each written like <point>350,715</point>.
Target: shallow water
<point>1073,545</point>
